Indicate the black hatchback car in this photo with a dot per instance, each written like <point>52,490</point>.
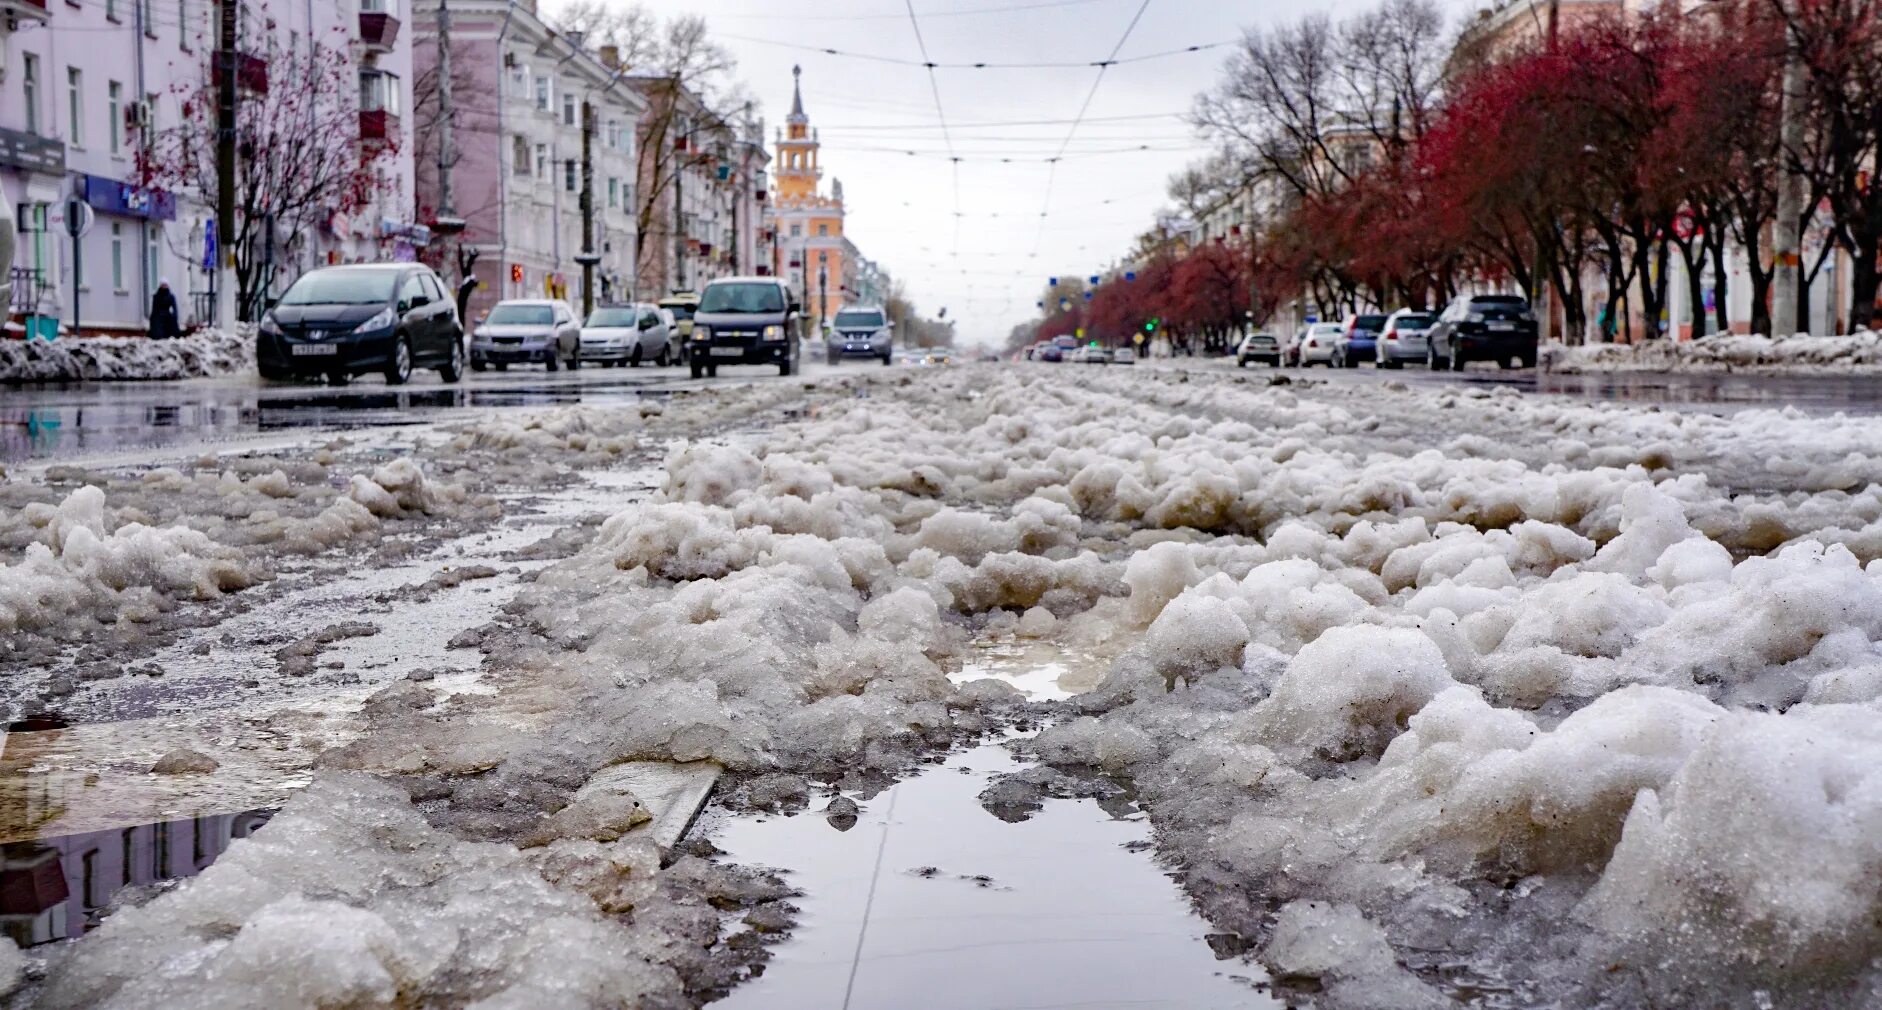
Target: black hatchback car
<point>1498,328</point>
<point>344,321</point>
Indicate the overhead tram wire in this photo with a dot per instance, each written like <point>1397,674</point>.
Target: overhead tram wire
<point>1110,61</point>
<point>941,116</point>
<point>964,12</point>
<point>1052,171</point>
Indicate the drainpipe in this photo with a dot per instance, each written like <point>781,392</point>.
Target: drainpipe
<point>143,248</point>
<point>503,140</point>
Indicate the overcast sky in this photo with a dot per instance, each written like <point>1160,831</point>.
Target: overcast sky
<point>988,265</point>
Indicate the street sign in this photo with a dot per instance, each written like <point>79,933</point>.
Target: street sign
<point>78,217</point>
<point>209,244</point>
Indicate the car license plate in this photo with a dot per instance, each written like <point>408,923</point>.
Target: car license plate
<point>727,352</point>
<point>1502,326</point>
<point>314,350</point>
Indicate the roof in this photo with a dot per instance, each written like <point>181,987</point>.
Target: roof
<point>797,97</point>
<point>752,279</point>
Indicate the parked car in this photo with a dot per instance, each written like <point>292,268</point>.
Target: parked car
<point>1499,328</point>
<point>1124,356</point>
<point>1258,347</point>
<point>1316,344</point>
<point>344,321</point>
<point>682,305</point>
<point>1357,341</point>
<point>862,331</point>
<point>744,321</point>
<point>1404,338</point>
<point>1048,351</point>
<point>1092,355</point>
<point>525,330</point>
<point>627,335</point>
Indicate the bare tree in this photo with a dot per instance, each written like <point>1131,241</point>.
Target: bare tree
<point>297,164</point>
<point>629,28</point>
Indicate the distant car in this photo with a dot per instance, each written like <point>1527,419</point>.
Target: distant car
<point>343,321</point>
<point>1499,328</point>
<point>1316,344</point>
<point>862,331</point>
<point>744,321</point>
<point>524,330</point>
<point>1357,341</point>
<point>940,356</point>
<point>627,335</point>
<point>1258,347</point>
<point>911,356</point>
<point>681,305</point>
<point>1124,356</point>
<point>1403,338</point>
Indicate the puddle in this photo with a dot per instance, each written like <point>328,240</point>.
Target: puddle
<point>1042,670</point>
<point>57,888</point>
<point>962,910</point>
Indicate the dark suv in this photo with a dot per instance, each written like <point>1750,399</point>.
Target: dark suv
<point>342,321</point>
<point>744,321</point>
<point>1498,328</point>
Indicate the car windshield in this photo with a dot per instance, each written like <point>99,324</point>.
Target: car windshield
<point>858,320</point>
<point>1325,329</point>
<point>342,287</point>
<point>521,315</point>
<point>742,298</point>
<point>615,318</point>
<point>1414,322</point>
<point>1500,301</point>
<point>1373,323</point>
<point>1261,338</point>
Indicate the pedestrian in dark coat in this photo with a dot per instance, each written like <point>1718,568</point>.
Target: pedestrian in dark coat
<point>164,322</point>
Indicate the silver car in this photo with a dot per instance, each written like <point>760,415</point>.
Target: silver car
<point>629,335</point>
<point>1403,338</point>
<point>1316,345</point>
<point>525,330</point>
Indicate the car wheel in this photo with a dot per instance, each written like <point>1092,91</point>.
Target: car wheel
<point>400,370</point>
<point>787,367</point>
<point>552,363</point>
<point>712,371</point>
<point>274,374</point>
<point>477,365</point>
<point>1241,362</point>
<point>887,360</point>
<point>660,360</point>
<point>501,366</point>
<point>1457,361</point>
<point>453,368</point>
<point>698,369</point>
<point>1276,363</point>
<point>575,363</point>
<point>1528,361</point>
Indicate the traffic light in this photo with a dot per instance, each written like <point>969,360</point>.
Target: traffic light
<point>516,273</point>
<point>1151,326</point>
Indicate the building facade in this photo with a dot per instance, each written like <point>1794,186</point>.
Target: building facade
<point>521,97</point>
<point>703,177</point>
<point>812,254</point>
<point>87,90</point>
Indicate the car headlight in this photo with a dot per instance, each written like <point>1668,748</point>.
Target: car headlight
<point>772,333</point>
<point>1475,317</point>
<point>384,318</point>
<point>702,332</point>
<point>269,327</point>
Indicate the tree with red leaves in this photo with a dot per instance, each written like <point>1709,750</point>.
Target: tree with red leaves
<point>299,159</point>
<point>1209,293</point>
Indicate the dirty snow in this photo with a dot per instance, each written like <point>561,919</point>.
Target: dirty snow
<point>120,359</point>
<point>1428,692</point>
<point>1857,352</point>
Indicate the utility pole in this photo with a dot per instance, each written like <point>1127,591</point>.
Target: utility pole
<point>588,258</point>
<point>448,221</point>
<point>226,99</point>
<point>1787,229</point>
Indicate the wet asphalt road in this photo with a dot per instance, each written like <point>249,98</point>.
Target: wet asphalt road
<point>48,423</point>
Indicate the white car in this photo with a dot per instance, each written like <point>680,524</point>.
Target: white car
<point>1316,346</point>
<point>628,335</point>
<point>524,330</point>
<point>1124,356</point>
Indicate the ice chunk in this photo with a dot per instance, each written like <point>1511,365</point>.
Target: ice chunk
<point>1349,692</point>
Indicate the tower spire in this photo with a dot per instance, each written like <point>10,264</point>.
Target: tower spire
<point>797,96</point>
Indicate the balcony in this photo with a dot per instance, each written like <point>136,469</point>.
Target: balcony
<point>378,30</point>
<point>251,73</point>
<point>14,11</point>
<point>377,126</point>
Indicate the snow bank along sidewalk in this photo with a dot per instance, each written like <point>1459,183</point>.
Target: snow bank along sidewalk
<point>1860,352</point>
<point>205,352</point>
<point>1428,693</point>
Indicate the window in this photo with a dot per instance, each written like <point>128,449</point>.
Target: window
<point>797,231</point>
<point>153,245</point>
<point>433,289</point>
<point>412,294</point>
<point>75,99</point>
<point>542,93</point>
<point>542,161</point>
<point>111,10</point>
<point>823,230</point>
<point>117,257</point>
<point>519,157</point>
<point>376,6</point>
<point>614,193</point>
<point>114,115</point>
<point>29,81</point>
<point>183,24</point>
<point>378,92</point>
<point>568,110</point>
<point>568,175</point>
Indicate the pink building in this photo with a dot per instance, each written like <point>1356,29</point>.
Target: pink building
<point>85,86</point>
<point>518,91</point>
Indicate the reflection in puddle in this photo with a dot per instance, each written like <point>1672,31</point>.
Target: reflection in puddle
<point>963,910</point>
<point>1041,670</point>
<point>57,888</point>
